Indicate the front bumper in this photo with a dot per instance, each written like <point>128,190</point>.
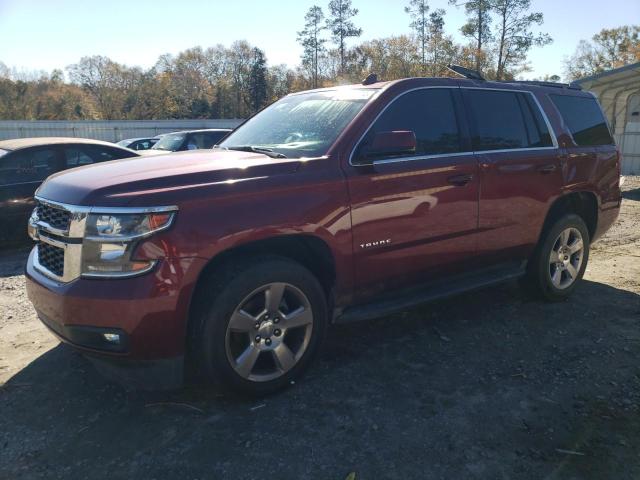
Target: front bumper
<point>148,312</point>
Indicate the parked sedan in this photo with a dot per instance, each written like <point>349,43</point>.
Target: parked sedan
<point>190,140</point>
<point>26,162</point>
<point>138,143</point>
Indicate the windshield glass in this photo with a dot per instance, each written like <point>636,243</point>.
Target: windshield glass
<point>170,142</point>
<point>303,125</point>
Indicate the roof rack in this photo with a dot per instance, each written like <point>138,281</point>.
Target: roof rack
<point>466,72</point>
<point>371,79</point>
<point>546,84</point>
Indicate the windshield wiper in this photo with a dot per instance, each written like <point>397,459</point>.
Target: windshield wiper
<point>252,148</point>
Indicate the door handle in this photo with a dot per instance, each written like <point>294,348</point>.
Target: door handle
<point>547,168</point>
<point>460,180</point>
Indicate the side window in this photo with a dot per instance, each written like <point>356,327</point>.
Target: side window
<point>30,166</point>
<point>429,113</point>
<point>77,156</point>
<point>194,140</point>
<point>104,154</point>
<point>537,131</point>
<point>497,120</point>
<point>584,119</point>
<point>214,138</point>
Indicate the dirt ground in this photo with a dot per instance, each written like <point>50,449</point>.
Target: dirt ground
<point>491,384</point>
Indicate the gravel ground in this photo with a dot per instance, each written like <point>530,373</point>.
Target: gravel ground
<point>487,385</point>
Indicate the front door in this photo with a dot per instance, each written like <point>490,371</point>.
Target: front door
<point>414,216</point>
<point>21,172</point>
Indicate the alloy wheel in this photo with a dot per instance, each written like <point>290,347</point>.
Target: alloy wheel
<point>269,331</point>
<point>565,258</point>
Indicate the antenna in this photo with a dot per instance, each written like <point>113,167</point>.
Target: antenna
<point>466,72</point>
<point>371,78</point>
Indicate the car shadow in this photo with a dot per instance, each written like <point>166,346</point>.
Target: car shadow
<point>13,260</point>
<point>631,194</point>
<point>468,387</point>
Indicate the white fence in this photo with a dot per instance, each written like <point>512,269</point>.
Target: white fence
<point>109,130</point>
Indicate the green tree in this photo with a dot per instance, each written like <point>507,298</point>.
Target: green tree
<point>311,41</point>
<point>514,34</point>
<point>341,27</point>
<point>440,46</point>
<point>610,48</point>
<point>258,80</point>
<point>418,10</point>
<point>478,26</point>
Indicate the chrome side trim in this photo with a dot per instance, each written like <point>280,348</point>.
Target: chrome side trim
<point>418,157</point>
<point>552,134</point>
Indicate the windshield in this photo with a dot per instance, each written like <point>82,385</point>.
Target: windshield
<point>303,125</point>
<point>171,142</point>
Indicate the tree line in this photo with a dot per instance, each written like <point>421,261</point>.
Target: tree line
<point>236,81</point>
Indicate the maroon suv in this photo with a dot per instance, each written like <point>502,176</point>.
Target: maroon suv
<point>331,205</point>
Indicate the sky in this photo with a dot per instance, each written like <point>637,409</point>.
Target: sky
<point>48,34</point>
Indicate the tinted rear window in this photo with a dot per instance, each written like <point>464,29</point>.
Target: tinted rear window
<point>584,119</point>
<point>505,120</point>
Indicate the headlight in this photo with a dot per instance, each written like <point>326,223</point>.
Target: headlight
<point>110,240</point>
<point>128,226</point>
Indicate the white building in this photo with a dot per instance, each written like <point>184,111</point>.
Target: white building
<point>618,91</point>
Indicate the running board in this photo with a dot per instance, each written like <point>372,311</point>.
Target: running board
<point>432,291</point>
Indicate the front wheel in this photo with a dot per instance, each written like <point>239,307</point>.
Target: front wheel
<point>263,325</point>
<point>560,259</point>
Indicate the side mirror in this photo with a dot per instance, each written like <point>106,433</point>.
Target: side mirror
<point>390,144</point>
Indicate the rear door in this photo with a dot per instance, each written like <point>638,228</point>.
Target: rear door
<point>593,144</point>
<point>414,216</point>
<point>519,170</point>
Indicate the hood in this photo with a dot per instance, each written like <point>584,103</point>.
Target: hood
<point>118,182</point>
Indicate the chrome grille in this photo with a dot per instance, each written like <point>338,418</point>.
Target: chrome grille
<point>55,217</point>
<point>51,258</point>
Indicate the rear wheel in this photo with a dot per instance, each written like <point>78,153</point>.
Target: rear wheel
<point>263,325</point>
<point>560,259</point>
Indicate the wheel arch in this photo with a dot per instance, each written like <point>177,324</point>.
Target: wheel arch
<point>583,203</point>
<point>307,249</point>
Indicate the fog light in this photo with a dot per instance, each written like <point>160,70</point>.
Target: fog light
<point>112,337</point>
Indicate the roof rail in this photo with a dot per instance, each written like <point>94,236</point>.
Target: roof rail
<point>466,72</point>
<point>546,84</point>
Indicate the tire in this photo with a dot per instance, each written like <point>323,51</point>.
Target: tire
<point>557,264</point>
<point>239,323</point>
